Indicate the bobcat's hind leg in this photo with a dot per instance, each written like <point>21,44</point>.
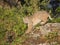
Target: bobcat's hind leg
<point>43,22</point>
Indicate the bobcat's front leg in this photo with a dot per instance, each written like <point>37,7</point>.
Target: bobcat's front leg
<point>30,27</point>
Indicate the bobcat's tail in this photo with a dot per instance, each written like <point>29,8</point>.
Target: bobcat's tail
<point>50,17</point>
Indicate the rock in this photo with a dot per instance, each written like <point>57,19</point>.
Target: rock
<point>44,44</point>
<point>49,27</point>
<point>37,36</point>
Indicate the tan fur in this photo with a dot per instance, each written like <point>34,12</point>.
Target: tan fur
<point>38,17</point>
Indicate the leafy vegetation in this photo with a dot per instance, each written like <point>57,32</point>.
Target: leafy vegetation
<point>11,18</point>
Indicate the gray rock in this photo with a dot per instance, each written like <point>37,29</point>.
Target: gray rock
<point>49,27</point>
<point>34,38</point>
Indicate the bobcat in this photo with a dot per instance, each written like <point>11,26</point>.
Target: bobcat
<point>38,17</point>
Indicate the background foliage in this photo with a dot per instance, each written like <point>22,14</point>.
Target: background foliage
<point>11,18</point>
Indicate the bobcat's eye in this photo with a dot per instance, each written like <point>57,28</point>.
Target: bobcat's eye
<point>42,21</point>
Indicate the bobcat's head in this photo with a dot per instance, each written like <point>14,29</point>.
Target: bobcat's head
<point>25,20</point>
